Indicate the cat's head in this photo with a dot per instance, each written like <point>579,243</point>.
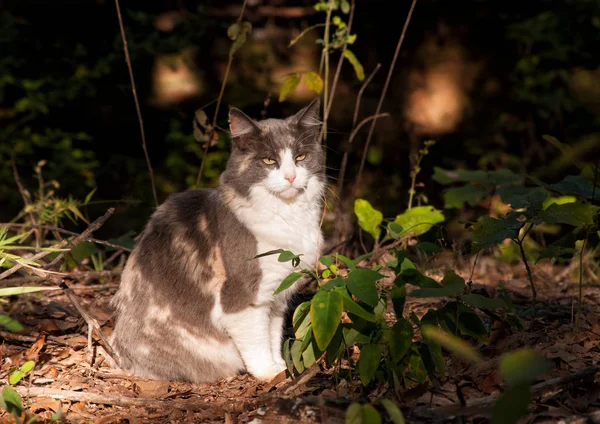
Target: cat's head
<point>283,156</point>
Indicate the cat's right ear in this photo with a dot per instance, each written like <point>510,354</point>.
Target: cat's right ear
<point>241,128</point>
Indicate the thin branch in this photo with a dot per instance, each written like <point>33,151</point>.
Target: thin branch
<point>363,122</point>
<point>136,101</point>
<point>219,99</point>
<point>71,233</point>
<point>383,93</point>
<point>299,36</point>
<point>74,241</point>
<point>339,66</point>
<point>344,164</point>
<point>91,322</point>
<point>85,275</point>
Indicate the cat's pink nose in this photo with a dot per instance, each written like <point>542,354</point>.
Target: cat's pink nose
<point>290,178</point>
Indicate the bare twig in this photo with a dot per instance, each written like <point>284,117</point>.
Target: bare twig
<point>94,225</point>
<point>74,241</point>
<point>219,99</point>
<point>63,231</point>
<point>338,69</point>
<point>26,196</point>
<point>86,275</point>
<point>91,322</point>
<point>112,399</point>
<point>383,93</point>
<point>344,164</point>
<point>7,335</point>
<point>292,386</point>
<point>487,403</point>
<point>137,103</point>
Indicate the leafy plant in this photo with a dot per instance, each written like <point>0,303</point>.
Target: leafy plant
<point>349,308</point>
<point>336,37</point>
<point>567,202</point>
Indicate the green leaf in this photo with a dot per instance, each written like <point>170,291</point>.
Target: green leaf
<point>12,400</point>
<point>27,366</point>
<point>369,218</point>
<point>327,260</point>
<point>10,324</point>
<point>298,319</point>
<point>286,256</point>
<point>394,229</point>
<point>393,411</point>
<point>325,313</point>
<point>313,82</point>
<point>401,338</point>
<point>83,250</point>
<point>288,281</point>
<point>12,291</point>
<point>523,366</point>
<point>512,405</point>
<point>296,353</point>
<point>451,343</point>
<point>354,414</point>
<point>15,377</point>
<point>354,308</point>
<point>287,356</point>
<point>488,232</point>
<point>521,197</point>
<point>578,186</point>
<point>370,415</point>
<point>362,283</point>
<point>333,283</point>
<point>577,214</point>
<point>419,220</point>
<point>358,68</point>
<point>370,356</point>
<point>88,198</point>
<point>289,85</point>
<point>398,296</point>
<point>458,196</point>
<point>452,285</point>
<point>349,263</point>
<point>239,35</point>
<point>560,200</point>
<point>482,302</point>
<point>270,252</point>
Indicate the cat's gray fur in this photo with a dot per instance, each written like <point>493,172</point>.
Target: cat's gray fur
<point>189,272</point>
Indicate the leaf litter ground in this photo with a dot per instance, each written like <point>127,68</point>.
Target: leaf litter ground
<point>55,337</point>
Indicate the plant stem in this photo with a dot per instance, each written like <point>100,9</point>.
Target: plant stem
<point>214,121</point>
<point>136,101</point>
<point>342,173</point>
<point>326,71</point>
<point>528,269</point>
<point>580,299</point>
<point>383,93</point>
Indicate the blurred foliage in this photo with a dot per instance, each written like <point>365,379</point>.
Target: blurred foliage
<point>67,98</point>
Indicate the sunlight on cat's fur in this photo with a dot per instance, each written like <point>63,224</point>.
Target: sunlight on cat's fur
<point>191,306</point>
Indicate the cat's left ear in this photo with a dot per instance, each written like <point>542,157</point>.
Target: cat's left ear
<point>309,116</point>
<point>241,124</point>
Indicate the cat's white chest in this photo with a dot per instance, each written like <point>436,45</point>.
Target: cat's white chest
<point>279,225</point>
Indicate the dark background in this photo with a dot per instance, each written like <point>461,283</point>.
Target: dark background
<point>485,79</point>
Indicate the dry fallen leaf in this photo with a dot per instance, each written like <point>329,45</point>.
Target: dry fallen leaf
<point>152,389</point>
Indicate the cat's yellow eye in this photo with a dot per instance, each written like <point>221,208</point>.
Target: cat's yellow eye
<point>268,161</point>
<point>300,157</point>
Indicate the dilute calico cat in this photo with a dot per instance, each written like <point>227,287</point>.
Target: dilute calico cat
<point>191,306</point>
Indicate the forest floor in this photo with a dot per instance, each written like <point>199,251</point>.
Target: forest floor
<point>55,337</point>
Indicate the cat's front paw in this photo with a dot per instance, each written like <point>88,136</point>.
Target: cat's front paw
<point>269,373</point>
